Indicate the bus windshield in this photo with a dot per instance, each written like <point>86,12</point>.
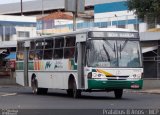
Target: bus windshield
<point>114,53</point>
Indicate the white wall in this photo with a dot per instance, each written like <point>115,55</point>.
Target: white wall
<point>17,18</point>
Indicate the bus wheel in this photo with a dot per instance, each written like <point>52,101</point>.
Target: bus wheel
<point>37,90</point>
<point>34,85</point>
<point>118,93</point>
<point>76,92</point>
<point>70,92</point>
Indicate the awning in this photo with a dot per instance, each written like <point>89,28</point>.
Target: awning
<point>148,49</point>
<point>11,56</point>
<point>3,50</point>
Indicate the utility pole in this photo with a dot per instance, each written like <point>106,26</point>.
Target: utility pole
<point>75,6</point>
<point>21,8</point>
<point>75,16</point>
<point>42,17</point>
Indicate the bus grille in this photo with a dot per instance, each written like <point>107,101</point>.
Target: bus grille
<point>117,78</point>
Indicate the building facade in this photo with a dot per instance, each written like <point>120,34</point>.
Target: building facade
<point>13,28</point>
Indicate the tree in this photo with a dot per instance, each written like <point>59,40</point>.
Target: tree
<point>145,9</point>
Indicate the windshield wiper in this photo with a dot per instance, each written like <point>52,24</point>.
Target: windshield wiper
<point>106,53</point>
<point>109,45</point>
<point>123,46</point>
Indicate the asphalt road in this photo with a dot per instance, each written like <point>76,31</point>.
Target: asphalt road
<point>16,97</point>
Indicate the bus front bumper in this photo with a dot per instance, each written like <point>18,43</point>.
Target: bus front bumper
<point>114,84</point>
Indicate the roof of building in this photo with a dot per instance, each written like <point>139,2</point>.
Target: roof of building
<point>57,15</point>
<point>33,6</point>
<point>154,30</point>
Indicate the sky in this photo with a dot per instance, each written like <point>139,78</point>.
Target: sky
<point>12,1</point>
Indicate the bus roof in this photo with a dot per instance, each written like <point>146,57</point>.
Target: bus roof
<point>79,32</point>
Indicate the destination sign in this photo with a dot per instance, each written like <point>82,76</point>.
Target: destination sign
<point>113,34</point>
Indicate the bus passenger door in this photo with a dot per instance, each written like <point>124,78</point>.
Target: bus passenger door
<point>81,46</point>
<point>26,49</point>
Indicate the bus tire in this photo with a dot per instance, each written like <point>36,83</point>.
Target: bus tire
<point>34,85</point>
<point>42,91</point>
<point>118,93</point>
<point>76,92</point>
<point>35,89</point>
<point>70,92</point>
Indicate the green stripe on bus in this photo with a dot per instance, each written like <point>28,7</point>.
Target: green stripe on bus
<point>19,66</point>
<point>113,84</point>
<point>74,66</point>
<point>30,65</point>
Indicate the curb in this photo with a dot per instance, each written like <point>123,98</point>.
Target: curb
<point>150,91</point>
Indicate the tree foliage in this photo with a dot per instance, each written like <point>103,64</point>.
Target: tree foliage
<point>145,8</point>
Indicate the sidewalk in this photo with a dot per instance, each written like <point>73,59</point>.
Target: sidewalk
<point>152,91</point>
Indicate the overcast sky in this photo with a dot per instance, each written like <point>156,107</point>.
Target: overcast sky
<point>12,1</point>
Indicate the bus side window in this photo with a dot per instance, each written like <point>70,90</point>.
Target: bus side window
<point>58,50</point>
<point>58,53</point>
<point>70,41</point>
<point>20,56</point>
<point>69,52</point>
<point>31,55</point>
<point>32,50</point>
<point>69,49</point>
<point>48,50</point>
<point>38,54</point>
<point>20,51</point>
<point>59,42</point>
<point>76,55</point>
<point>39,49</point>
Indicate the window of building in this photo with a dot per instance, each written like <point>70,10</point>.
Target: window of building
<point>121,26</point>
<point>23,34</point>
<point>136,27</point>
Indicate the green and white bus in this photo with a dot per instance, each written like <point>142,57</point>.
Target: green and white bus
<point>90,60</point>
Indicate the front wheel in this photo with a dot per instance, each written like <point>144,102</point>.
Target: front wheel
<point>118,93</point>
<point>70,92</point>
<point>34,85</point>
<point>35,89</point>
<point>76,92</point>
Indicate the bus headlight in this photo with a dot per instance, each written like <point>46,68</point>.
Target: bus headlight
<point>137,76</point>
<point>98,75</point>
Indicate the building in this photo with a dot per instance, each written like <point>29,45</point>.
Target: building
<point>98,13</point>
<point>13,28</point>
